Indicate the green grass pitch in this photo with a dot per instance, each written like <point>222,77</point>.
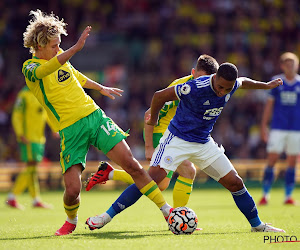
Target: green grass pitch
<point>143,227</point>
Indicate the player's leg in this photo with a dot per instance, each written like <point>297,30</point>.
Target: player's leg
<point>290,179</point>
<point>222,171</point>
<point>163,185</point>
<point>292,151</point>
<point>268,177</point>
<point>121,154</point>
<point>184,184</point>
<point>106,172</point>
<point>71,198</point>
<point>129,197</point>
<point>33,183</point>
<point>275,146</point>
<point>132,193</point>
<point>20,185</point>
<point>109,138</point>
<point>75,142</point>
<point>22,179</point>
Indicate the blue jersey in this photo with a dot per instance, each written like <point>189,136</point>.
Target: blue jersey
<point>286,110</point>
<point>198,109</point>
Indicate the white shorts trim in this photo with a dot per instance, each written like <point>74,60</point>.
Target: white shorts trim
<point>284,141</point>
<point>172,151</point>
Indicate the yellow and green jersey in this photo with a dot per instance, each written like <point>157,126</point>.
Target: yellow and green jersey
<point>169,109</point>
<point>59,89</point>
<point>29,117</point>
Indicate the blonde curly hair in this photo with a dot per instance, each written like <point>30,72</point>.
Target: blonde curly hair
<point>41,29</point>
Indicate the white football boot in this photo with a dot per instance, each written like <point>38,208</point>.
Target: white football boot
<point>98,221</point>
<point>266,227</point>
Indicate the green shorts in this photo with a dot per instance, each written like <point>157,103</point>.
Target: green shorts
<point>95,129</point>
<point>32,151</point>
<point>156,138</point>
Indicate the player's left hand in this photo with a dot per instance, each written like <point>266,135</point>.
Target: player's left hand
<point>109,92</point>
<point>275,83</point>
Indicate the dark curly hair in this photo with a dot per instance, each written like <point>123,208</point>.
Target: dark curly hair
<point>228,71</point>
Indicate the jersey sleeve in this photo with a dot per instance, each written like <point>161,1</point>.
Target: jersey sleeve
<point>34,71</point>
<point>80,77</point>
<point>184,90</point>
<point>18,118</point>
<point>239,81</point>
<point>173,83</point>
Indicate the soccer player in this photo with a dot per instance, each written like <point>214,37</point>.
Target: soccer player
<point>58,86</point>
<point>283,105</point>
<point>206,65</point>
<point>28,119</point>
<point>188,138</point>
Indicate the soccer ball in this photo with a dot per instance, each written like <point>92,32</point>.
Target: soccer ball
<point>182,220</point>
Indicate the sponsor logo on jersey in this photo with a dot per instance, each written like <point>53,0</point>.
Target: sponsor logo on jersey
<point>206,103</point>
<point>212,113</point>
<point>63,76</point>
<point>168,159</point>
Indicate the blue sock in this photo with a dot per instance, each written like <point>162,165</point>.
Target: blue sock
<point>268,179</point>
<point>125,200</point>
<point>245,203</point>
<point>289,181</point>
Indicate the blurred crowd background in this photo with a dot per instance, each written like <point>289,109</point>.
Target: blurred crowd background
<point>143,45</point>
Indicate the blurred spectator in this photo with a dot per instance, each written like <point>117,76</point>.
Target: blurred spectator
<point>156,42</point>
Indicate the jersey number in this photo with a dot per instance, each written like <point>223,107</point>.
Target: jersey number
<point>109,127</point>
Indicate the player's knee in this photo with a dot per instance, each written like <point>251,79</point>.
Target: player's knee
<point>133,168</point>
<point>191,172</point>
<point>72,192</point>
<point>236,184</point>
<point>187,170</point>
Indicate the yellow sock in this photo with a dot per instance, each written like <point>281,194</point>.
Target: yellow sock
<point>121,175</point>
<point>71,211</point>
<point>152,191</point>
<point>21,182</point>
<point>182,191</point>
<point>33,183</point>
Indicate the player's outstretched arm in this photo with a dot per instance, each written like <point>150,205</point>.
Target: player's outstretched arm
<point>158,100</point>
<point>66,55</point>
<point>248,83</point>
<point>107,91</point>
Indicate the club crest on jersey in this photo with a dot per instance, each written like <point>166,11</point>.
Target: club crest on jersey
<point>227,97</point>
<point>31,66</point>
<point>185,89</point>
<point>168,159</point>
<point>63,77</point>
